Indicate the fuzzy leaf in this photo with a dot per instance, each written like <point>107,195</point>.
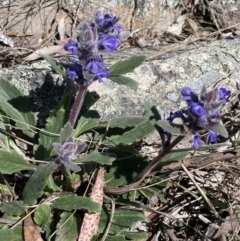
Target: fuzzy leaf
<point>125,121</point>
<point>116,238</point>
<point>126,66</point>
<point>15,234</point>
<point>53,127</point>
<point>101,158</point>
<point>123,220</point>
<point>172,128</point>
<point>123,80</point>
<point>14,208</point>
<point>72,201</point>
<point>69,231</point>
<point>66,132</point>
<point>173,157</point>
<point>11,162</point>
<point>218,128</point>
<point>87,122</point>
<point>55,65</point>
<point>125,170</point>
<point>140,131</point>
<point>17,106</point>
<point>36,183</point>
<point>42,214</point>
<point>136,235</point>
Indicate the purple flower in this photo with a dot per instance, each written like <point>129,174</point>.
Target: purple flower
<point>107,22</point>
<point>72,46</point>
<point>196,109</point>
<point>188,94</point>
<point>212,137</point>
<point>75,71</point>
<point>196,141</point>
<point>67,151</point>
<point>108,42</point>
<point>95,65</point>
<point>223,93</point>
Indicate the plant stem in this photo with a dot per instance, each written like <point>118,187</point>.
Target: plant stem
<point>155,161</point>
<point>77,104</point>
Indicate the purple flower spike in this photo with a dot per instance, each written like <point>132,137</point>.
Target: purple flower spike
<point>109,43</point>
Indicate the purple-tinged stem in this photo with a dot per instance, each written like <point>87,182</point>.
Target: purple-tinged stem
<point>157,159</point>
<point>77,104</point>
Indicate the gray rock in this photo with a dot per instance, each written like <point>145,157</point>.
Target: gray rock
<point>160,78</point>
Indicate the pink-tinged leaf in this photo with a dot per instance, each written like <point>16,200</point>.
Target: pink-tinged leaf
<point>90,223</point>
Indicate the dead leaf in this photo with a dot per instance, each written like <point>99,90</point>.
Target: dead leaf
<point>35,41</point>
<point>30,230</point>
<point>6,40</point>
<point>61,28</point>
<point>49,50</point>
<point>91,221</point>
<point>177,27</point>
<point>193,25</point>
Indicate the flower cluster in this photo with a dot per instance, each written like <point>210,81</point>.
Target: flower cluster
<point>103,34</point>
<point>202,112</point>
<point>67,151</point>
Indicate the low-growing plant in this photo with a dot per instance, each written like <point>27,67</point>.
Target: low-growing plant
<point>76,159</point>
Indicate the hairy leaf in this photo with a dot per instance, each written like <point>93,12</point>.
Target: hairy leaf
<point>69,231</point>
<point>123,220</point>
<point>72,201</point>
<point>66,132</point>
<point>172,128</point>
<point>14,208</point>
<point>95,156</point>
<point>36,183</point>
<point>126,66</point>
<point>218,128</point>
<point>123,80</point>
<point>140,131</point>
<point>125,170</point>
<point>11,162</point>
<point>16,106</point>
<point>50,135</point>
<point>87,122</point>
<point>55,65</point>
<point>14,234</point>
<point>42,214</point>
<point>125,121</point>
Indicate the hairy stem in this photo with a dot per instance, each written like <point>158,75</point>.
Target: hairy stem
<point>155,161</point>
<point>77,104</point>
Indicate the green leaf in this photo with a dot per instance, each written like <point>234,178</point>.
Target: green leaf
<point>95,156</point>
<point>55,65</point>
<point>125,170</point>
<point>136,235</point>
<point>36,183</point>
<point>11,162</point>
<point>126,66</point>
<point>116,238</point>
<point>123,220</point>
<point>172,128</point>
<point>53,127</point>
<point>52,185</point>
<point>125,121</point>
<point>218,128</point>
<point>14,208</point>
<point>72,201</point>
<point>15,234</point>
<point>68,227</point>
<point>123,80</point>
<point>16,106</point>
<point>152,112</point>
<point>66,132</point>
<point>87,122</point>
<point>173,157</point>
<point>140,131</point>
<point>42,214</point>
